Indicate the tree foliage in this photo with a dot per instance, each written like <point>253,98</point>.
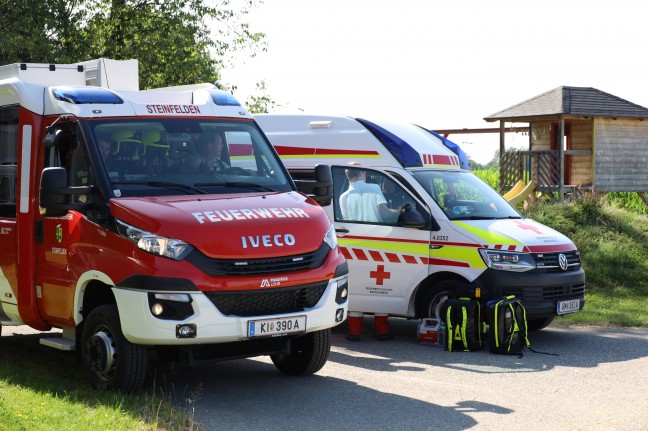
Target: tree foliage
<point>260,102</point>
<point>176,41</point>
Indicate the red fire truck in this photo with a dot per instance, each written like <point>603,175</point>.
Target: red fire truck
<point>157,222</point>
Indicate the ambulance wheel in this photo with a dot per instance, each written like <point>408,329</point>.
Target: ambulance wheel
<point>109,360</point>
<point>307,355</point>
<point>538,324</point>
<point>435,299</point>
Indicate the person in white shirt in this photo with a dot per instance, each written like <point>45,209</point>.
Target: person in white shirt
<point>364,202</point>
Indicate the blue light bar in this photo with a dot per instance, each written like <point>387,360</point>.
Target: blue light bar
<point>86,95</point>
<point>407,156</point>
<point>223,98</point>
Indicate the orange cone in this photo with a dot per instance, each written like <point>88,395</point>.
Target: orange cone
<point>355,325</point>
<point>381,326</point>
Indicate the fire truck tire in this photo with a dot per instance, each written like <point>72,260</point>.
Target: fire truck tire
<point>109,360</point>
<point>308,354</point>
<point>433,304</point>
<point>538,324</point>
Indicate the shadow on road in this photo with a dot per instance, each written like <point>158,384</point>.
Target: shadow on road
<point>579,347</point>
<point>252,395</point>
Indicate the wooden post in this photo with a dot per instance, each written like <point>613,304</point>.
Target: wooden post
<point>561,156</point>
<point>502,134</point>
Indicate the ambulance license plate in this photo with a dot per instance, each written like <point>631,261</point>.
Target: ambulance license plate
<point>569,306</point>
<point>280,326</point>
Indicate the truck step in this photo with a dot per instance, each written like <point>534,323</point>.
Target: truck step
<point>59,343</point>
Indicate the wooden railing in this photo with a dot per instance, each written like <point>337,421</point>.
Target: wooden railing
<point>541,166</point>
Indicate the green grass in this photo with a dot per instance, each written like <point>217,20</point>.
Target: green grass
<point>50,393</point>
<point>611,232</point>
<point>612,242</point>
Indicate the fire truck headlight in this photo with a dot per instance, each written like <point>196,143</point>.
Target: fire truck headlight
<point>507,260</point>
<point>330,237</point>
<point>154,244</point>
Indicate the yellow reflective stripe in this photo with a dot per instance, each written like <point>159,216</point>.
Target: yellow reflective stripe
<point>402,247</point>
<point>489,237</point>
<point>469,255</point>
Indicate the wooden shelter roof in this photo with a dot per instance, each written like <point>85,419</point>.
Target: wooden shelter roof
<point>575,101</point>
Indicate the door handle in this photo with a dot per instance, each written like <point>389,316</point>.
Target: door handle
<point>341,231</point>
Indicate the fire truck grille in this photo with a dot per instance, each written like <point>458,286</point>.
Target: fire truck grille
<point>273,265</point>
<point>549,262</point>
<point>268,302</point>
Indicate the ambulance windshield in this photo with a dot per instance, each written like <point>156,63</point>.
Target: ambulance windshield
<point>463,196</point>
<point>191,156</point>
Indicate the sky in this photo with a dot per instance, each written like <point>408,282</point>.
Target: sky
<point>443,64</point>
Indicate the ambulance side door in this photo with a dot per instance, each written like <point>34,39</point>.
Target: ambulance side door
<point>386,260</point>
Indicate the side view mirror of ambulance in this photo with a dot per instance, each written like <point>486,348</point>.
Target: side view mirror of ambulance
<point>410,217</point>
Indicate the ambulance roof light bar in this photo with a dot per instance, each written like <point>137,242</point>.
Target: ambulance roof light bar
<point>407,156</point>
<point>86,95</point>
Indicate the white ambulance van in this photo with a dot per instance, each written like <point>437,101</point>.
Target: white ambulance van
<point>455,235</point>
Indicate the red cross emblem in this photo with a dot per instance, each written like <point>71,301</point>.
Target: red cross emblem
<point>380,274</point>
<point>525,226</point>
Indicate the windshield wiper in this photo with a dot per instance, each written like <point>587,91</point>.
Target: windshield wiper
<point>240,184</point>
<point>178,186</point>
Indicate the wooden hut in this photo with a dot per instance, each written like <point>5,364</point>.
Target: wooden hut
<point>580,139</point>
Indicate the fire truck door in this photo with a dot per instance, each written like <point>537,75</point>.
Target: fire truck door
<point>64,241</point>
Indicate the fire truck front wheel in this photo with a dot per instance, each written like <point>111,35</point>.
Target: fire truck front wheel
<point>109,360</point>
<point>307,354</point>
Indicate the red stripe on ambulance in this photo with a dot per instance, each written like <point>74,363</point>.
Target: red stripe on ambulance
<point>378,256</point>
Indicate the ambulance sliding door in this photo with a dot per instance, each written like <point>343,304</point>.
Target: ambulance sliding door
<point>386,261</point>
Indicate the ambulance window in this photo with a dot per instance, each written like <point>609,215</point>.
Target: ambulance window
<point>367,196</point>
<point>8,160</point>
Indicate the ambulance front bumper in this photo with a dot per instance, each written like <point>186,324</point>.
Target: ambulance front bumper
<point>205,323</point>
<point>540,293</point>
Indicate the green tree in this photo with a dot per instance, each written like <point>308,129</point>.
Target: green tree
<point>26,27</point>
<point>261,103</point>
<point>176,41</point>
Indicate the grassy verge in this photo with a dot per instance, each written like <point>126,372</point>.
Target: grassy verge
<point>611,232</point>
<point>612,242</point>
<point>50,393</point>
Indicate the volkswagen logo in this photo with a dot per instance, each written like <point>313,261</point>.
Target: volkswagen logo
<point>562,261</point>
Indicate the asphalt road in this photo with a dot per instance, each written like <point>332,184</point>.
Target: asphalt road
<point>599,381</point>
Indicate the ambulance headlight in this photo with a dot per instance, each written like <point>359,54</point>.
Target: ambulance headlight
<point>507,260</point>
<point>154,244</point>
<point>330,238</point>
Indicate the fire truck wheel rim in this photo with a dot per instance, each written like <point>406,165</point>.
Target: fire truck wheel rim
<point>101,353</point>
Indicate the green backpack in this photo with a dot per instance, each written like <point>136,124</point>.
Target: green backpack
<point>507,326</point>
<point>464,323</point>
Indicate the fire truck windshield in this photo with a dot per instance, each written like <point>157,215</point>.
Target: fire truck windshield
<point>173,156</point>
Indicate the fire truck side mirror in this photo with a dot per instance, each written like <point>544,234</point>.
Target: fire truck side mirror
<point>323,186</point>
<point>54,181</point>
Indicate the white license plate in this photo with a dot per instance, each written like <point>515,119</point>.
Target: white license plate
<point>568,306</point>
<point>279,326</point>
